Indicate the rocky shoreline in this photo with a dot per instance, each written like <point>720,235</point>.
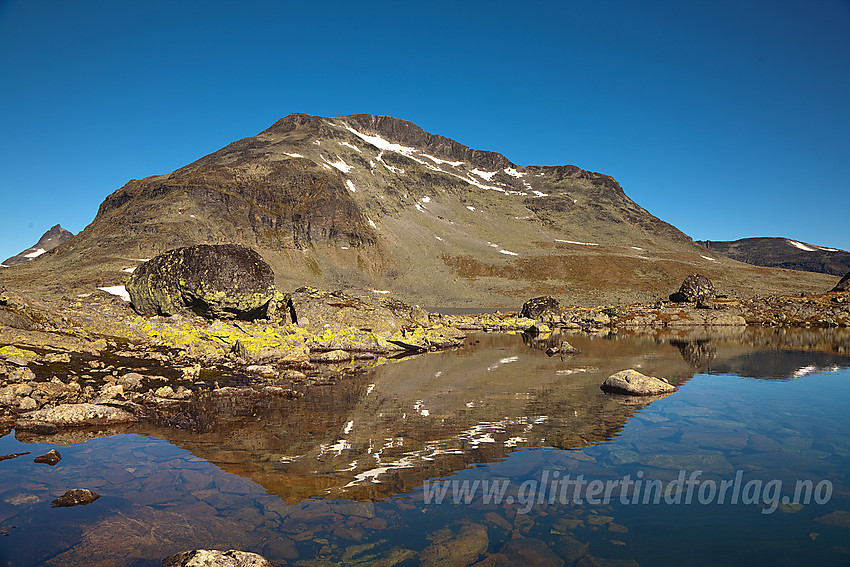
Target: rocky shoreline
<point>93,361</point>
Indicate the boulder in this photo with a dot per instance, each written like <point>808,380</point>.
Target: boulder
<point>364,310</point>
<point>223,281</point>
<point>844,284</point>
<point>696,287</point>
<point>540,308</point>
<point>634,383</point>
<point>214,558</point>
<point>72,415</point>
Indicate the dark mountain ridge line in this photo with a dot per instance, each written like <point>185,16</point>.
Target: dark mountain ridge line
<point>781,252</point>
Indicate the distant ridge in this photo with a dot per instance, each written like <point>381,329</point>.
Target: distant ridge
<point>49,240</point>
<point>775,252</point>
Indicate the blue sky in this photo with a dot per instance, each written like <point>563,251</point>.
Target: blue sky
<point>728,119</point>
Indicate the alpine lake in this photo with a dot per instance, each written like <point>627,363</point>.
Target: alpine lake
<point>491,454</point>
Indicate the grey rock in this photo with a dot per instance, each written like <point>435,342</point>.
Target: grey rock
<point>696,287</point>
<point>72,415</point>
<point>130,382</point>
<point>214,558</point>
<point>541,308</point>
<point>633,383</point>
<point>223,281</point>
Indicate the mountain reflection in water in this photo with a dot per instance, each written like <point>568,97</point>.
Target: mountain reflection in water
<point>388,431</point>
<point>336,477</point>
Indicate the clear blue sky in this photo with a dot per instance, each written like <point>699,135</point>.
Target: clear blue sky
<point>727,118</point>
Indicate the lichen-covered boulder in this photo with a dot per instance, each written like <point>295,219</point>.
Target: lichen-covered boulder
<point>540,308</point>
<point>224,281</point>
<point>844,284</point>
<point>696,287</point>
<point>633,383</point>
<point>358,309</point>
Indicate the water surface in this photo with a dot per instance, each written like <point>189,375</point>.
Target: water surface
<point>348,473</point>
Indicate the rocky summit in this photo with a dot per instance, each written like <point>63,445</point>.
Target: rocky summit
<point>48,241</point>
<point>377,203</point>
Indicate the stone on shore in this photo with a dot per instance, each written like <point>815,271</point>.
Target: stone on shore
<point>844,284</point>
<point>540,308</point>
<point>214,558</point>
<point>72,415</point>
<point>223,281</point>
<point>696,287</point>
<point>633,383</point>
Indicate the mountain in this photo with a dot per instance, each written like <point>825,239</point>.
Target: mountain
<point>378,203</point>
<point>49,240</point>
<point>784,253</point>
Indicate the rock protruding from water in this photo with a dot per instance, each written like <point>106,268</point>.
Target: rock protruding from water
<point>75,497</point>
<point>214,558</point>
<point>633,383</point>
<point>540,308</point>
<point>49,420</point>
<point>224,281</point>
<point>696,287</point>
<point>844,284</point>
<point>49,458</point>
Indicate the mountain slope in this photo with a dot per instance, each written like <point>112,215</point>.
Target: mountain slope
<point>784,253</point>
<point>48,241</point>
<point>377,202</point>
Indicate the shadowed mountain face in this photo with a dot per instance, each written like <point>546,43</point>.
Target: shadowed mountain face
<point>784,253</point>
<point>48,241</point>
<point>378,203</point>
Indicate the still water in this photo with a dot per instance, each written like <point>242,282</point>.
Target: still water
<point>495,452</point>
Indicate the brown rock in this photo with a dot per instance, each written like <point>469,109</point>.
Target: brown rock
<point>75,497</point>
<point>214,558</point>
<point>456,549</point>
<point>49,458</point>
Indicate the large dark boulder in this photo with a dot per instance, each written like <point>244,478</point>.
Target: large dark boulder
<point>224,281</point>
<point>696,287</point>
<point>844,284</point>
<point>540,308</point>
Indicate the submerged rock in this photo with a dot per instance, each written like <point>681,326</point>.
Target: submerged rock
<point>634,383</point>
<point>223,281</point>
<point>75,497</point>
<point>461,548</point>
<point>531,551</point>
<point>214,558</point>
<point>696,287</point>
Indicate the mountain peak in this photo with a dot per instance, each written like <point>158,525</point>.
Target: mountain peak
<point>48,241</point>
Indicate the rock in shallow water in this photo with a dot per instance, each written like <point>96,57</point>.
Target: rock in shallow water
<point>49,458</point>
<point>214,558</point>
<point>72,415</point>
<point>634,383</point>
<point>75,497</point>
<point>223,281</point>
